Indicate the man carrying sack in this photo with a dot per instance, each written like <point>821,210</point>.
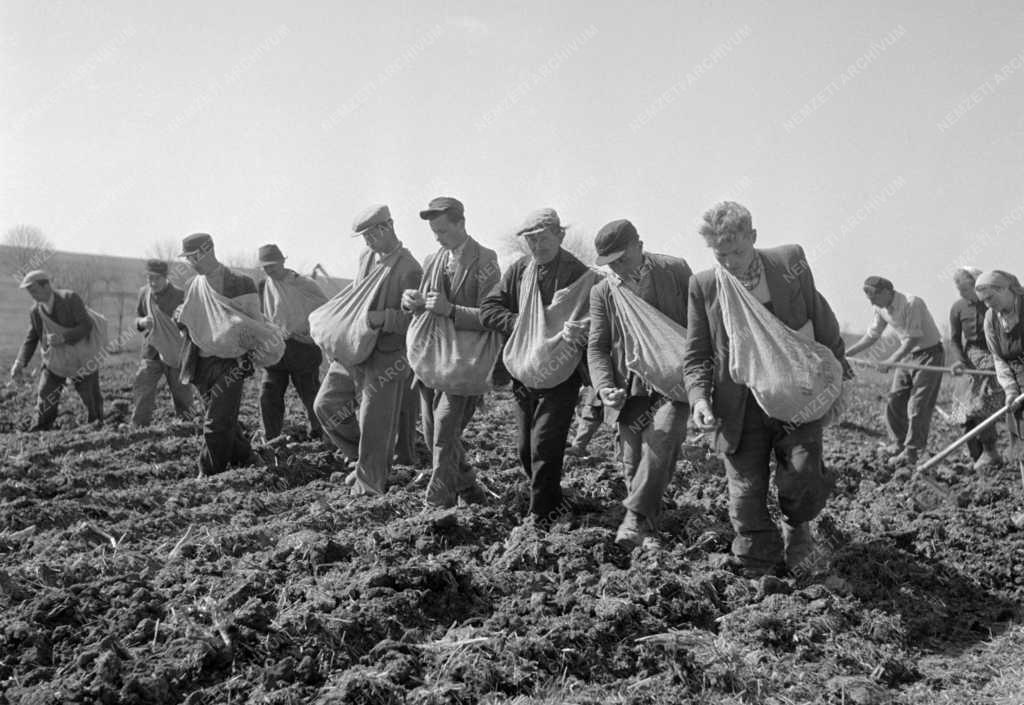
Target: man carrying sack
<point>362,329</point>
<point>542,304</point>
<point>286,299</point>
<point>739,394</point>
<point>227,338</point>
<point>639,304</point>
<point>913,394</point>
<point>161,349</point>
<point>72,347</point>
<point>451,353</point>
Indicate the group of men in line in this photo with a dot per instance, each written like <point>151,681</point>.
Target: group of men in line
<point>358,408</point>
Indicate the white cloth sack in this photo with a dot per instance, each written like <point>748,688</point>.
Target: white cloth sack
<point>445,358</point>
<point>341,326</point>
<point>793,377</point>
<point>288,304</point>
<point>536,354</point>
<point>164,336</point>
<point>654,343</point>
<point>219,328</point>
<point>81,358</point>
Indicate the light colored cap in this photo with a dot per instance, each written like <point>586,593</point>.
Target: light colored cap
<point>539,220</point>
<point>36,275</point>
<point>374,215</point>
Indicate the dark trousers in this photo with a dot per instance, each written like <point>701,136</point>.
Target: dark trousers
<point>51,386</point>
<point>300,365</point>
<point>544,417</point>
<point>220,382</point>
<point>800,477</point>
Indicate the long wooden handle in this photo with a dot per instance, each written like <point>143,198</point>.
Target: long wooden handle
<point>935,459</point>
<point>928,368</point>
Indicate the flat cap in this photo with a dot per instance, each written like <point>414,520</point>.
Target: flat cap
<point>539,220</point>
<point>270,253</point>
<point>443,204</point>
<point>374,215</point>
<point>36,275</point>
<point>196,243</point>
<point>156,266</point>
<point>613,239</point>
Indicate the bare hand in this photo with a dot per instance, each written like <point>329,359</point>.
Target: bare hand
<point>1015,403</point>
<point>613,397</point>
<point>16,370</point>
<point>412,300</point>
<point>576,332</point>
<point>703,417</point>
<point>146,323</point>
<point>957,369</point>
<point>437,303</point>
<point>376,319</point>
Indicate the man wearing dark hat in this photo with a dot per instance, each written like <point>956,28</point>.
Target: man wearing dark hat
<point>779,279</point>
<point>912,396</point>
<point>359,407</point>
<point>464,271</point>
<point>543,416</point>
<point>219,380</point>
<point>287,298</point>
<point>651,426</point>
<point>65,310</point>
<point>161,350</point>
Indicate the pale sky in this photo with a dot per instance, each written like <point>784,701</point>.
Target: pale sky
<point>886,138</point>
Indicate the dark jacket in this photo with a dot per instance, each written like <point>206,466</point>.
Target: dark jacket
<point>475,275</point>
<point>500,308</point>
<point>670,279</point>
<point>68,311</point>
<point>230,286</point>
<point>795,300</point>
<point>405,274</point>
<point>167,301</point>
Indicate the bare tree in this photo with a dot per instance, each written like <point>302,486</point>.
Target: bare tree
<point>86,276</point>
<point>26,248</point>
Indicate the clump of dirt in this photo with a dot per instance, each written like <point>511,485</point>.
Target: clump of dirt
<point>126,579</point>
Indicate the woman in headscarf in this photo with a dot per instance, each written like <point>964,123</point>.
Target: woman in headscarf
<point>975,397</point>
<point>1004,332</point>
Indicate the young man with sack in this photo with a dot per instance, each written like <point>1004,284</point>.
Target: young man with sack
<point>286,299</point>
<point>541,304</point>
<point>651,422</point>
<point>363,330</point>
<point>161,349</point>
<point>218,304</point>
<point>60,321</point>
<point>780,281</point>
<point>456,278</point>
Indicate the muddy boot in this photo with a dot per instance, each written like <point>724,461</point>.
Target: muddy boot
<point>633,531</point>
<point>988,459</point>
<point>907,458</point>
<point>800,548</point>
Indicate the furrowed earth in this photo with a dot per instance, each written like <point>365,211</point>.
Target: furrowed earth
<point>125,579</point>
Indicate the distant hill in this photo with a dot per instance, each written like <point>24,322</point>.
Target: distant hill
<point>108,283</point>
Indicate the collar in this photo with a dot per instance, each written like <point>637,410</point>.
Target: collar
<point>456,254</point>
<point>898,303</point>
<point>553,264</point>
